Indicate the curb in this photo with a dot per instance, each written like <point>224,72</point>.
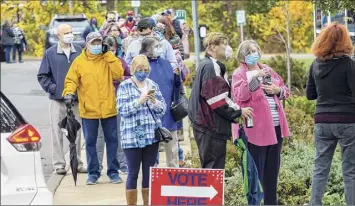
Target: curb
<point>54,181</point>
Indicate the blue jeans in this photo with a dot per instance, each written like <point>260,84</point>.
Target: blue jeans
<point>101,147</point>
<point>90,129</point>
<point>327,136</point>
<point>137,156</point>
<point>7,49</point>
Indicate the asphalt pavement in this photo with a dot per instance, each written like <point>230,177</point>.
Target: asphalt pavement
<point>19,83</point>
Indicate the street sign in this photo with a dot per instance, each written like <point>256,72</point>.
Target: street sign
<point>240,14</point>
<point>136,3</point>
<point>180,186</point>
<point>180,14</point>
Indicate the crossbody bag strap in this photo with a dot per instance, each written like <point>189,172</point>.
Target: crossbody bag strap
<point>150,111</point>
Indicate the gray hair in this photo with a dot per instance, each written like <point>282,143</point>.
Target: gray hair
<point>244,49</point>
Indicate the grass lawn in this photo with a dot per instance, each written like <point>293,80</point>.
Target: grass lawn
<point>307,62</point>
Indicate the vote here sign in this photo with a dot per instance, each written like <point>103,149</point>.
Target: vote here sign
<point>180,186</point>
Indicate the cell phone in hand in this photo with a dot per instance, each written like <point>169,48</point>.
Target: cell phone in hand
<point>152,91</point>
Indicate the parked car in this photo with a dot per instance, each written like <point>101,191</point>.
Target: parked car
<point>78,23</point>
<point>22,178</point>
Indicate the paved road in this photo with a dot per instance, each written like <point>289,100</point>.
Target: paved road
<point>19,83</point>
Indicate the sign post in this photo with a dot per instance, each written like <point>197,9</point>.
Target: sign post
<point>135,5</point>
<point>181,15</point>
<point>180,186</point>
<point>240,14</point>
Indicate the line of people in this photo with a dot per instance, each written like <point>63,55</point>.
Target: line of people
<point>124,96</point>
<point>91,80</point>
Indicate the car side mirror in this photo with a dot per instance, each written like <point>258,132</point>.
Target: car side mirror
<point>42,27</point>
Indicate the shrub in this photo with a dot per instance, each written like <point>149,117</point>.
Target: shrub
<point>295,178</point>
<point>298,70</point>
<point>300,123</point>
<point>302,103</point>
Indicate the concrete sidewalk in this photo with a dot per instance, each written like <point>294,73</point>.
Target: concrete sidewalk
<point>104,193</point>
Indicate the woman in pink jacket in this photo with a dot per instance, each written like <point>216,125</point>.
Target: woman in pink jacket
<point>258,86</point>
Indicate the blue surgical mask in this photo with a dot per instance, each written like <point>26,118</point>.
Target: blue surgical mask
<point>141,75</point>
<point>95,49</point>
<point>252,58</point>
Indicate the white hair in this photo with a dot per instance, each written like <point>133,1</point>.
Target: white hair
<point>244,49</point>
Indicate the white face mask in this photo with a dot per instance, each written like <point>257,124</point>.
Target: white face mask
<point>68,38</point>
<point>228,52</point>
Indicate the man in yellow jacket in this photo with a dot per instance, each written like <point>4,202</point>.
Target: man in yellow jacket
<point>91,75</point>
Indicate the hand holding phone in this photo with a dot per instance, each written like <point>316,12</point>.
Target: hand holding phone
<point>151,91</point>
<point>151,94</point>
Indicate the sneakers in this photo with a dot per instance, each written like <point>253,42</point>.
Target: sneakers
<point>124,170</point>
<point>115,178</point>
<point>92,180</point>
<point>82,170</point>
<point>61,171</point>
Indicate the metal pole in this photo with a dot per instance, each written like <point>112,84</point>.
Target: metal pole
<point>70,7</point>
<point>136,11</point>
<point>315,22</point>
<point>241,33</point>
<point>196,32</point>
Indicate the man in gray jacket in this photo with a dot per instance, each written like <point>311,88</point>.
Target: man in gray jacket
<point>52,72</point>
<point>164,48</point>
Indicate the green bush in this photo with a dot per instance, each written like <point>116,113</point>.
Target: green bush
<point>302,103</point>
<point>300,124</point>
<point>298,70</point>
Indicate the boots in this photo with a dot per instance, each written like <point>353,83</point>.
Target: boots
<point>145,195</point>
<point>131,197</point>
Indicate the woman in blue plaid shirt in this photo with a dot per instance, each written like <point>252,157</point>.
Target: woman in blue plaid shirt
<point>137,125</point>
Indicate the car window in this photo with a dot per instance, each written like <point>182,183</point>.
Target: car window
<point>10,118</point>
<point>75,23</point>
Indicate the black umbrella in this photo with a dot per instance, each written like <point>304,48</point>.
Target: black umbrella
<point>70,126</point>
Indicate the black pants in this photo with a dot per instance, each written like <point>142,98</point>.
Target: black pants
<point>137,156</point>
<point>212,151</point>
<point>267,160</point>
<point>17,48</point>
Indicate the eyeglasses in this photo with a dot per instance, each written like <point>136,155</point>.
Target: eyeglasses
<point>114,30</point>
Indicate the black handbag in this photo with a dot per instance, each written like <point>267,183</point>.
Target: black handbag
<point>162,134</point>
<point>178,107</point>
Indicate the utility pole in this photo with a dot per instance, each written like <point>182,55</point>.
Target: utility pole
<point>110,5</point>
<point>288,47</point>
<point>70,7</point>
<point>196,32</point>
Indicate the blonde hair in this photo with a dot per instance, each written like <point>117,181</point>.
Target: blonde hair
<point>139,61</point>
<point>215,38</point>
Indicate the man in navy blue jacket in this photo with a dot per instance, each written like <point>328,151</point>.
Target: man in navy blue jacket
<point>52,72</point>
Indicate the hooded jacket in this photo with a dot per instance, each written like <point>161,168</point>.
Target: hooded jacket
<point>332,84</point>
<point>92,76</point>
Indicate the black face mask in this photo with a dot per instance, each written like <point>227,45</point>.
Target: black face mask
<point>130,19</point>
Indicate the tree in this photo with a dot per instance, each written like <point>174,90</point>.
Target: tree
<point>334,5</point>
<point>266,28</point>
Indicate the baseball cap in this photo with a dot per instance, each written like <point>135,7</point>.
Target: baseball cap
<point>93,36</point>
